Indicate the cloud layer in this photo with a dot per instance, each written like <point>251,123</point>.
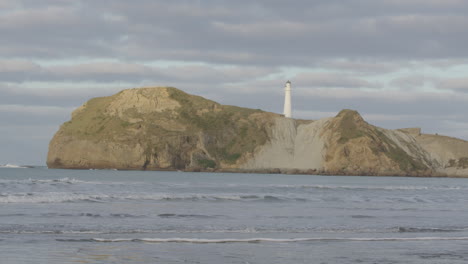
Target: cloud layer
<point>400,63</point>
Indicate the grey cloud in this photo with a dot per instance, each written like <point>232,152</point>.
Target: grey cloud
<point>445,63</point>
<point>34,110</point>
<point>12,115</point>
<point>24,71</point>
<point>298,42</point>
<point>454,84</point>
<point>18,70</point>
<point>363,66</point>
<point>412,81</point>
<point>55,31</point>
<point>208,74</point>
<point>54,96</point>
<point>455,128</point>
<point>20,18</point>
<point>388,95</point>
<point>241,32</point>
<point>13,66</point>
<point>332,80</point>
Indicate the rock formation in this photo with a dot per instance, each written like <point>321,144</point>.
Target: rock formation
<point>166,129</point>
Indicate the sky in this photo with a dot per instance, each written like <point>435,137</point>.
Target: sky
<point>400,63</point>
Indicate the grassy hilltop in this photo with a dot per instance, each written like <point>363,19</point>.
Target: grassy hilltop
<point>164,128</point>
<point>175,130</point>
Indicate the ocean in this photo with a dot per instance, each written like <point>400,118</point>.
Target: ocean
<point>105,216</point>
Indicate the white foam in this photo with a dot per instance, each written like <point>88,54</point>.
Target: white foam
<point>50,197</point>
<point>269,240</point>
<point>12,166</point>
<point>60,197</point>
<point>62,180</point>
<point>134,231</point>
<point>45,181</point>
<point>35,232</point>
<point>351,187</point>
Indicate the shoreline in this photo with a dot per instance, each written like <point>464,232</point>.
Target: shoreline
<point>311,172</point>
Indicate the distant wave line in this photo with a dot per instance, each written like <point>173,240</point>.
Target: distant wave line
<point>62,197</point>
<point>242,231</point>
<point>350,187</point>
<point>259,240</point>
<point>13,166</point>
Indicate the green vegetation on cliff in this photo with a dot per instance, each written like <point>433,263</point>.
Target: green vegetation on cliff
<point>93,123</point>
<point>404,161</point>
<point>230,130</point>
<point>351,126</point>
<point>348,126</point>
<point>176,130</point>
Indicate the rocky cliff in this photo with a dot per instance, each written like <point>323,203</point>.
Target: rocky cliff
<point>166,129</point>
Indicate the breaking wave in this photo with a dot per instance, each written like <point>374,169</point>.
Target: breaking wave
<point>19,229</point>
<point>13,166</point>
<point>45,181</point>
<point>363,188</point>
<point>428,230</point>
<point>189,216</point>
<point>66,197</point>
<point>257,240</point>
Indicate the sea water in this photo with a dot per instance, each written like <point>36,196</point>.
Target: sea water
<point>71,216</point>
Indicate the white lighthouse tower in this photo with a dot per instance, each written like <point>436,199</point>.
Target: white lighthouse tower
<point>287,100</point>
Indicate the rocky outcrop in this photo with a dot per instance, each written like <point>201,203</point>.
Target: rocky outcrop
<point>449,154</point>
<point>356,147</point>
<point>157,129</point>
<point>166,129</point>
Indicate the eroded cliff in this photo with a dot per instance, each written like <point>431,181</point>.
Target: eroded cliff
<point>157,128</point>
<point>164,128</point>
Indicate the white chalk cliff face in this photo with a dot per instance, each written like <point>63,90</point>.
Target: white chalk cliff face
<point>347,144</point>
<point>164,128</point>
<point>291,146</point>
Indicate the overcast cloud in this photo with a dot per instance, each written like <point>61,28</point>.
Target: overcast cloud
<point>400,63</point>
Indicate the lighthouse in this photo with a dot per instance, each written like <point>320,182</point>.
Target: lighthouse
<point>287,100</point>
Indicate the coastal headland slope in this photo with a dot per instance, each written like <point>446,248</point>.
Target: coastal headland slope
<point>163,128</point>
